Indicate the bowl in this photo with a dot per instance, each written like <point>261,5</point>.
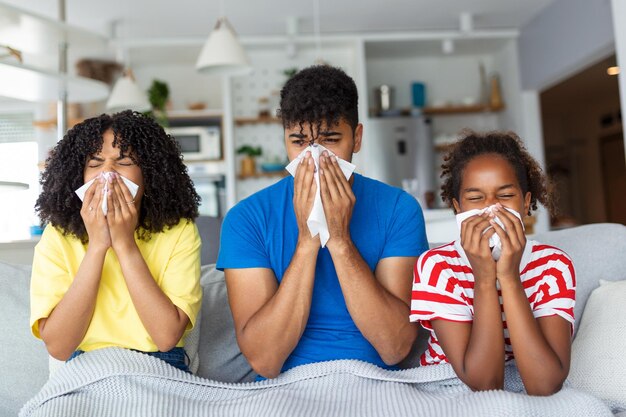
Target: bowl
<point>272,166</point>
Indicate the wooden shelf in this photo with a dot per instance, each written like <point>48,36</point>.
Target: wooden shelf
<point>271,174</point>
<point>52,123</point>
<point>443,147</point>
<point>477,108</point>
<point>241,121</point>
<point>444,111</point>
<point>38,34</point>
<point>194,114</point>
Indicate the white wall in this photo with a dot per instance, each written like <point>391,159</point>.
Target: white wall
<point>185,83</point>
<point>448,78</point>
<point>564,38</point>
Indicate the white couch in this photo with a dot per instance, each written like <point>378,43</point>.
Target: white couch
<point>598,364</point>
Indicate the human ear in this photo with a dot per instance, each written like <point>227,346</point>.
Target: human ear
<point>527,198</point>
<point>456,206</point>
<point>358,135</point>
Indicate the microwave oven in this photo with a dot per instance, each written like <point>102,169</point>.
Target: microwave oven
<point>198,143</point>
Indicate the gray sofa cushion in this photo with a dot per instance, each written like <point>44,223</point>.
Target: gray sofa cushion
<point>24,366</point>
<point>220,357</point>
<point>598,252</point>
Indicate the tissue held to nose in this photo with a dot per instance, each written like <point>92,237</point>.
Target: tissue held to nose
<point>494,241</point>
<point>317,219</point>
<point>132,187</point>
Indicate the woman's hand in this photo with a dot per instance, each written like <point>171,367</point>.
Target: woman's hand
<point>513,243</point>
<point>475,234</point>
<point>93,217</point>
<point>123,216</point>
<point>304,188</point>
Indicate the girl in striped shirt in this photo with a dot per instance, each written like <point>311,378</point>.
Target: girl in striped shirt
<point>481,311</point>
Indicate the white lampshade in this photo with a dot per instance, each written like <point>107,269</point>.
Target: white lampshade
<point>222,53</point>
<point>126,94</point>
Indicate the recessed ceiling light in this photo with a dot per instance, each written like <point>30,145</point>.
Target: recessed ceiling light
<point>612,70</point>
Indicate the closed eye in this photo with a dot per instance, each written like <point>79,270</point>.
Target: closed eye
<point>506,196</point>
<point>298,142</point>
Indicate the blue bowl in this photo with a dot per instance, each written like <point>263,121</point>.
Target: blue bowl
<point>272,166</point>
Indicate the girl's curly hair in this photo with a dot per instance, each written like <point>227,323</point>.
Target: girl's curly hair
<point>510,147</point>
<point>319,94</point>
<point>168,197</point>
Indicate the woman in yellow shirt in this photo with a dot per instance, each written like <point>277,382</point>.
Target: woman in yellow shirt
<point>125,273</point>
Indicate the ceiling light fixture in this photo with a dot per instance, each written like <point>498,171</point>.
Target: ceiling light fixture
<point>222,53</point>
<point>126,94</point>
<point>466,22</point>
<point>292,32</point>
<point>612,70</point>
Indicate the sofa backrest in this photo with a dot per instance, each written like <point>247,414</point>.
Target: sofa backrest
<point>209,229</point>
<point>598,251</point>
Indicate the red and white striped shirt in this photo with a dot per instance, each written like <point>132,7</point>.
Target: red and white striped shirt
<point>443,288</point>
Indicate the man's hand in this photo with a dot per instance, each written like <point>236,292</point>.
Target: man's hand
<point>304,188</point>
<point>337,198</point>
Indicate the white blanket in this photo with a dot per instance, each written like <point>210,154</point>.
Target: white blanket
<point>118,382</point>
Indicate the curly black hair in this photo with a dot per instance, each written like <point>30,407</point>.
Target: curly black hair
<point>509,146</point>
<point>169,194</point>
<point>319,94</point>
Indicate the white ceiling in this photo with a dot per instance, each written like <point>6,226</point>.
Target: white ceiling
<point>192,18</point>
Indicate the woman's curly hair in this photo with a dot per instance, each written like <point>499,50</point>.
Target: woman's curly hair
<point>510,147</point>
<point>319,94</point>
<point>169,194</point>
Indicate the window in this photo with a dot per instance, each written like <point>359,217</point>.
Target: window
<point>18,163</point>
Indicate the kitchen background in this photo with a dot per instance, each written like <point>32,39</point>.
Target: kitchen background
<point>425,70</point>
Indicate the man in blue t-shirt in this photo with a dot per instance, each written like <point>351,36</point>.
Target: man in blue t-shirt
<point>294,302</point>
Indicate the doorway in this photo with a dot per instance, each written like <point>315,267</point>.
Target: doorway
<point>584,147</point>
<point>614,177</point>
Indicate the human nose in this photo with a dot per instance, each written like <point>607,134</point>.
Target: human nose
<point>108,166</point>
<point>490,200</point>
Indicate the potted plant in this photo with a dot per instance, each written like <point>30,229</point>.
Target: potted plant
<point>158,94</point>
<point>248,164</point>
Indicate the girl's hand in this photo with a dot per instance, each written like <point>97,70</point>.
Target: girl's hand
<point>123,216</point>
<point>513,243</point>
<point>93,217</point>
<point>475,234</point>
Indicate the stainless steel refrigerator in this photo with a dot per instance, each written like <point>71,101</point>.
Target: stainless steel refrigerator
<point>399,151</point>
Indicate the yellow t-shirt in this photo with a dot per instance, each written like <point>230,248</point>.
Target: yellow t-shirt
<point>173,257</point>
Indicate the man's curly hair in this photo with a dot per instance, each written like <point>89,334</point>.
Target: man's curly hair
<point>168,197</point>
<point>509,146</point>
<point>319,94</point>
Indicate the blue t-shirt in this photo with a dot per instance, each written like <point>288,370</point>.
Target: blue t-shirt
<point>261,232</point>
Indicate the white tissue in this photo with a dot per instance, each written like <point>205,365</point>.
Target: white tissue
<point>132,187</point>
<point>317,219</point>
<point>494,241</point>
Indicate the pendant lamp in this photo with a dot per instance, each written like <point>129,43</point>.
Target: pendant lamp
<point>126,94</point>
<point>222,53</point>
